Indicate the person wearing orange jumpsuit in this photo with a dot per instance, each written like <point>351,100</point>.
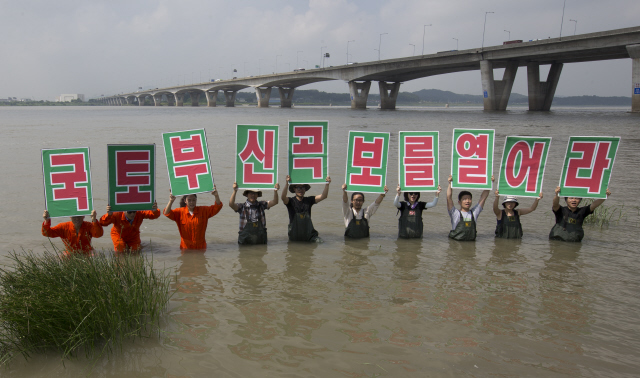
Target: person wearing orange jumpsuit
<point>76,235</point>
<point>125,232</point>
<point>192,220</point>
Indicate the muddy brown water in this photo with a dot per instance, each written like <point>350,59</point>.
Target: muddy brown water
<point>380,307</point>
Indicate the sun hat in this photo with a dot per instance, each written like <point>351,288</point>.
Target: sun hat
<point>292,186</point>
<point>510,199</point>
<point>252,190</point>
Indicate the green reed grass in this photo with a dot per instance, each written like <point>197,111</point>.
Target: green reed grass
<point>78,304</point>
<point>603,215</point>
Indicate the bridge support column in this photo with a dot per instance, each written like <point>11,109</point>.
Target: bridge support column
<point>496,93</point>
<point>170,99</point>
<point>388,94</point>
<point>179,98</point>
<point>212,98</point>
<point>541,92</point>
<point>230,97</point>
<point>141,100</point>
<point>634,53</point>
<point>286,96</point>
<point>359,93</point>
<point>157,100</point>
<point>263,95</point>
<point>195,98</point>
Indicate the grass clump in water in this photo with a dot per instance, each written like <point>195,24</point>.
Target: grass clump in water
<point>603,214</point>
<point>78,303</point>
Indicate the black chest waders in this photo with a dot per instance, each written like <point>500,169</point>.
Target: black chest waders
<point>357,228</point>
<point>301,228</point>
<point>569,229</point>
<point>465,230</point>
<point>509,227</point>
<point>253,233</point>
<point>410,223</point>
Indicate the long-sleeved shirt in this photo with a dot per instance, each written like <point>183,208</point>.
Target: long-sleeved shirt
<point>396,202</point>
<point>125,233</point>
<point>366,212</point>
<point>193,227</point>
<point>79,242</point>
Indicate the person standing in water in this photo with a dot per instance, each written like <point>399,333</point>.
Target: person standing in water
<point>569,218</point>
<point>125,232</point>
<point>192,220</point>
<point>299,208</point>
<point>253,221</point>
<point>463,221</point>
<point>509,226</point>
<point>356,219</point>
<point>76,234</point>
<point>410,221</point>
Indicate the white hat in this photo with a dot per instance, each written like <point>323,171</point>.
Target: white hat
<point>510,199</point>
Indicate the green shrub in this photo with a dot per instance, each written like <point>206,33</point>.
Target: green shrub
<point>78,303</point>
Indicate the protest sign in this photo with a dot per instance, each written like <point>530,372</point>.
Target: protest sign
<point>418,158</point>
<point>523,163</point>
<point>256,156</point>
<point>131,176</point>
<point>367,161</point>
<point>587,166</point>
<point>308,152</point>
<point>188,163</point>
<point>472,158</point>
<point>67,181</point>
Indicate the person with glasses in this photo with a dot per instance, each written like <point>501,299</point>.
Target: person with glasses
<point>299,208</point>
<point>356,219</point>
<point>125,232</point>
<point>410,222</point>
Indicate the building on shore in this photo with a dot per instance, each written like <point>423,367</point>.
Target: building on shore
<point>70,97</point>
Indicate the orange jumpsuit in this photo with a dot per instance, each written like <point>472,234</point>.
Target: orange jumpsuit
<point>193,227</point>
<point>74,241</point>
<point>125,234</point>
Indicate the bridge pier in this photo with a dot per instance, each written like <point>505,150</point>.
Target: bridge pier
<point>141,100</point>
<point>541,92</point>
<point>263,95</point>
<point>157,100</point>
<point>359,94</point>
<point>179,98</point>
<point>286,96</point>
<point>496,93</point>
<point>195,98</point>
<point>634,53</point>
<point>212,98</point>
<point>230,96</point>
<point>170,99</point>
<point>388,94</point>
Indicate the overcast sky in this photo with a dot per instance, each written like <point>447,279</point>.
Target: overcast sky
<point>106,47</point>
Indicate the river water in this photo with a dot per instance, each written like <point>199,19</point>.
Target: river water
<point>370,308</point>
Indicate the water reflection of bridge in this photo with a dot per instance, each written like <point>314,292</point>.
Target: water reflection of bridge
<point>611,44</point>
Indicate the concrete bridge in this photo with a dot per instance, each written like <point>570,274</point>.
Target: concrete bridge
<point>611,44</point>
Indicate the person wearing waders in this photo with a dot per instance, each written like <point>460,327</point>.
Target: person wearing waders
<point>508,218</point>
<point>569,218</point>
<point>463,221</point>
<point>253,221</point>
<point>410,221</point>
<point>299,208</point>
<point>356,219</point>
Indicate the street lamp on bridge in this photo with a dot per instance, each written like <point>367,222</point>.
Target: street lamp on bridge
<point>414,49</point>
<point>485,28</point>
<point>380,44</point>
<point>348,49</point>
<point>424,29</point>
<point>575,26</point>
<point>321,54</point>
<point>509,37</point>
<point>456,43</point>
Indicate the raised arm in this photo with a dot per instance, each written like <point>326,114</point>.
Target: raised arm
<point>556,200</point>
<point>496,208</point>
<point>167,209</point>
<point>533,206</point>
<point>485,194</point>
<point>215,194</point>
<point>381,196</point>
<point>599,202</point>
<point>325,192</point>
<point>232,200</point>
<point>284,197</point>
<point>345,197</point>
<point>396,200</point>
<point>274,201</point>
<point>450,194</point>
